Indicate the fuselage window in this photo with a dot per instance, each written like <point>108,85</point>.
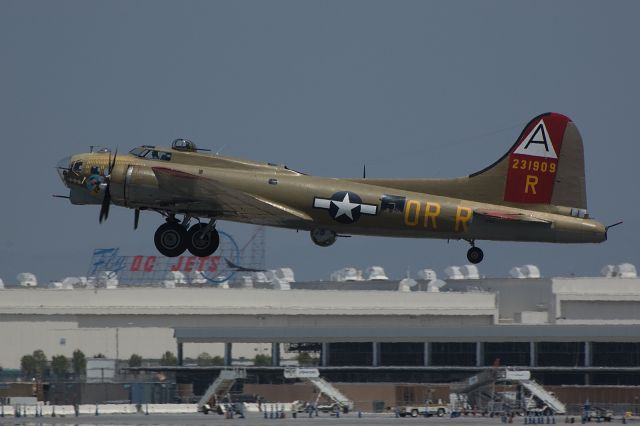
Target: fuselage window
<point>158,155</point>
<point>77,167</point>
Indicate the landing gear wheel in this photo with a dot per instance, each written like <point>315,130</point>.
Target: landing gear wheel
<point>323,237</point>
<point>475,255</point>
<point>202,246</point>
<point>171,239</point>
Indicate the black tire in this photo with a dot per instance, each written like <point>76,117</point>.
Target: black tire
<point>202,247</point>
<point>440,412</point>
<point>171,239</point>
<point>414,413</point>
<point>475,255</point>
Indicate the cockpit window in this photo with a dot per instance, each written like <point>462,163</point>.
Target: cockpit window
<point>139,152</point>
<point>77,167</point>
<point>151,154</point>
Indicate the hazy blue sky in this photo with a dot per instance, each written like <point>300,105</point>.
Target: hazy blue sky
<point>411,88</point>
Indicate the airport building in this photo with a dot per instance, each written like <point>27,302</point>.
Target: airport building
<point>566,331</point>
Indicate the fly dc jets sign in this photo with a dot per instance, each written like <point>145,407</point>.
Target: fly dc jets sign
<point>533,162</point>
<point>345,206</point>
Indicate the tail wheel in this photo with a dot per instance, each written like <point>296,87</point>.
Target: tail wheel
<point>171,239</point>
<point>202,245</point>
<point>475,255</point>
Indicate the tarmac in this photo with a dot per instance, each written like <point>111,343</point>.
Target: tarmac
<point>256,419</point>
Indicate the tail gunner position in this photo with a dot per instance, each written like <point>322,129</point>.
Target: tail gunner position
<point>535,192</point>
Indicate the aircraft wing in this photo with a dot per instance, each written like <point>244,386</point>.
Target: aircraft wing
<point>505,216</point>
<point>199,194</point>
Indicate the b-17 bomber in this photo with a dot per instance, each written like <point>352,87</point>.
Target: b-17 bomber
<point>535,192</point>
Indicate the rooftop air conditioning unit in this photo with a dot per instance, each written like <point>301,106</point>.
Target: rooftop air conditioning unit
<point>347,274</point>
<point>285,274</point>
<point>246,281</point>
<point>427,275</point>
<point>60,285</point>
<point>27,279</point>
<point>173,278</point>
<point>434,286</point>
<point>261,277</point>
<point>470,272</point>
<point>525,271</point>
<point>626,270</point>
<point>454,273</point>
<point>280,284</point>
<point>107,279</point>
<point>197,278</point>
<point>608,271</point>
<point>406,284</point>
<point>376,273</point>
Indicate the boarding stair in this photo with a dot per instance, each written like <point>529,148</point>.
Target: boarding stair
<point>480,391</point>
<point>544,396</point>
<point>221,386</point>
<point>312,375</point>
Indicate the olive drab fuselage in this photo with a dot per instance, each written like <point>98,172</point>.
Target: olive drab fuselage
<point>534,193</point>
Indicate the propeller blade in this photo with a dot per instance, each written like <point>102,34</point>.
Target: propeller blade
<point>106,201</point>
<point>112,164</point>
<point>136,218</point>
<point>104,208</point>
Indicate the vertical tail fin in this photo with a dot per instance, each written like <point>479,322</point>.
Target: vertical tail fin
<point>544,166</point>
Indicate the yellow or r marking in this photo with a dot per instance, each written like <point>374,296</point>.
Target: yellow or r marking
<point>432,211</point>
<point>412,213</point>
<point>531,182</point>
<point>463,219</point>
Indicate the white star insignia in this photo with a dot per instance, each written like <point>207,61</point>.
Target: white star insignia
<point>345,207</point>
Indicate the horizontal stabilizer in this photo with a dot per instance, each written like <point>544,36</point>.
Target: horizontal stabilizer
<point>503,216</point>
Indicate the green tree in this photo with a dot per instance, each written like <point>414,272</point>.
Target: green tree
<point>40,360</point>
<point>79,363</point>
<point>99,355</point>
<point>261,359</point>
<point>305,358</point>
<point>135,360</point>
<point>28,366</point>
<point>168,359</point>
<point>217,360</point>
<point>59,365</point>
<point>204,359</point>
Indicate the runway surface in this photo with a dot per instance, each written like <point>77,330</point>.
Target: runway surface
<point>258,420</point>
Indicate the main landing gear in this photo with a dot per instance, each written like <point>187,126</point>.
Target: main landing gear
<point>474,254</point>
<point>172,238</point>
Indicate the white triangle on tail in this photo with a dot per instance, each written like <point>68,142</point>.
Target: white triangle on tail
<point>537,143</point>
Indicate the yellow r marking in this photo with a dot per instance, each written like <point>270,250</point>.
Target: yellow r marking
<point>532,181</point>
<point>432,211</point>
<point>463,219</point>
